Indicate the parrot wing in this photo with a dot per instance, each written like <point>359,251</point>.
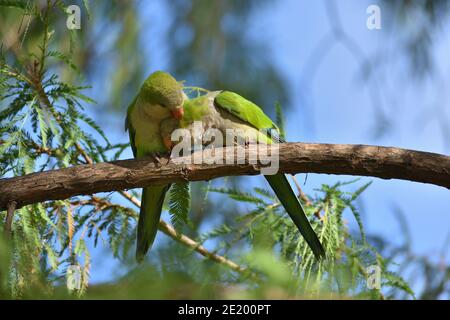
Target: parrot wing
<point>251,114</point>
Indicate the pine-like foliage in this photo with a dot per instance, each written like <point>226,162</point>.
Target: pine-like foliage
<point>45,125</point>
<point>345,271</point>
<point>179,205</point>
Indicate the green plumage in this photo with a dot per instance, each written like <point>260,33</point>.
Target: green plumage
<point>159,94</point>
<point>245,110</point>
<point>149,122</point>
<point>237,112</point>
<point>151,207</point>
<point>161,88</point>
<point>285,194</point>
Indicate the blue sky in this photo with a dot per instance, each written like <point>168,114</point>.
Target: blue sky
<point>339,110</point>
<point>335,106</point>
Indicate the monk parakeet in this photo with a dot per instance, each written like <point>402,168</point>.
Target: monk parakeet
<point>159,108</point>
<point>160,98</point>
<point>224,110</point>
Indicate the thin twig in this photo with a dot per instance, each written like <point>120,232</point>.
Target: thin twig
<point>172,233</point>
<point>301,194</point>
<point>185,240</point>
<point>168,230</point>
<point>11,208</point>
<point>163,226</point>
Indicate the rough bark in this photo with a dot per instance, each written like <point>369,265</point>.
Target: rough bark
<point>359,160</point>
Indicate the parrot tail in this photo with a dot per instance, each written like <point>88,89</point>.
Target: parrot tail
<point>151,207</point>
<point>292,205</point>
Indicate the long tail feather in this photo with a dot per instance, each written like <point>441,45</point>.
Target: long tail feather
<point>151,207</point>
<point>290,202</point>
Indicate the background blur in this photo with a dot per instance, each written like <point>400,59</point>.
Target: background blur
<point>338,82</point>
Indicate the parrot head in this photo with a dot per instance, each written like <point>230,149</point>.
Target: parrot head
<point>162,89</point>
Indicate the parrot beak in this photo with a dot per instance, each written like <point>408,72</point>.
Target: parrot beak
<point>178,113</point>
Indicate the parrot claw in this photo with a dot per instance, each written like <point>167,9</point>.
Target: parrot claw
<point>246,144</point>
<point>169,158</point>
<point>156,158</point>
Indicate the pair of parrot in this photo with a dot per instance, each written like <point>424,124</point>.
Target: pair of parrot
<point>160,107</point>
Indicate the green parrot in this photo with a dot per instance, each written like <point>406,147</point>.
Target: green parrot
<point>160,98</point>
<point>160,107</point>
<point>224,110</point>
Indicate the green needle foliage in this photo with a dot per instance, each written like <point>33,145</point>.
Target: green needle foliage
<point>342,274</point>
<point>179,204</point>
<point>45,124</point>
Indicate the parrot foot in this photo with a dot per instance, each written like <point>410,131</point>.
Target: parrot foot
<point>169,158</point>
<point>156,158</point>
<point>246,144</point>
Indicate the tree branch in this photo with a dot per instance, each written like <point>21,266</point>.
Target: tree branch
<point>190,243</point>
<point>381,162</point>
<point>34,78</point>
<point>171,232</point>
